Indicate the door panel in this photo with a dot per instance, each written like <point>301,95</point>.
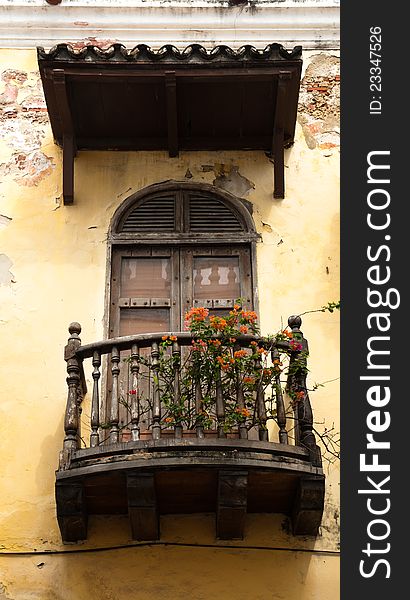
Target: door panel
<point>216,277</point>
<point>145,277</point>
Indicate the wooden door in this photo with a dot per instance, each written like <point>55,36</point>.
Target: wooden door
<point>153,287</point>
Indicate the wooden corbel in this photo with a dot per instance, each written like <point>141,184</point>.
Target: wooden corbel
<point>278,141</point>
<point>172,113</point>
<point>69,144</point>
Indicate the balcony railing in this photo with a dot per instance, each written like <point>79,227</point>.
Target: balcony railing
<point>166,415</point>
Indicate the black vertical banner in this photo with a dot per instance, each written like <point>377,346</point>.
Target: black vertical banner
<point>375,399</point>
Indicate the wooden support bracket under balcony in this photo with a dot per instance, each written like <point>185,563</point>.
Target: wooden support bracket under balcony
<point>71,510</point>
<point>142,506</point>
<point>231,504</point>
<point>308,506</point>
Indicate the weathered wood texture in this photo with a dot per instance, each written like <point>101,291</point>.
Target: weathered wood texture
<point>231,504</point>
<point>71,510</point>
<point>142,506</point>
<point>308,506</point>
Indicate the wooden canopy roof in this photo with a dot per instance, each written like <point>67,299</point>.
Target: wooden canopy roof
<point>191,99</point>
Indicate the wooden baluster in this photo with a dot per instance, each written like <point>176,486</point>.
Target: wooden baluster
<point>72,414</point>
<point>199,406</point>
<point>199,399</point>
<point>135,404</point>
<point>115,370</point>
<point>95,404</point>
<point>176,355</point>
<point>260,404</point>
<point>280,405</point>
<point>240,400</point>
<point>220,405</point>
<point>156,402</point>
<point>303,409</point>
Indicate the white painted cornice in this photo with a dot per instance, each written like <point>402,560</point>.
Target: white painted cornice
<point>312,24</point>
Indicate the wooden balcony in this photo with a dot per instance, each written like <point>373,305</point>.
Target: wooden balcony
<point>216,455</point>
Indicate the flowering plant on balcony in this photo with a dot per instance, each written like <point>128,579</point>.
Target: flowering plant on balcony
<point>229,377</point>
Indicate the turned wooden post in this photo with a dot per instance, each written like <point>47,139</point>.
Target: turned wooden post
<point>280,405</point>
<point>114,420</point>
<point>199,407</point>
<point>240,400</point>
<point>95,405</point>
<point>156,402</point>
<point>220,405</point>
<point>176,355</point>
<point>72,414</point>
<point>297,385</point>
<point>135,404</point>
<point>199,398</point>
<point>260,405</point>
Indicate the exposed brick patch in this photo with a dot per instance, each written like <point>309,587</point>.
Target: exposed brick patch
<point>23,120</point>
<point>15,76</point>
<point>319,103</point>
<point>28,169</point>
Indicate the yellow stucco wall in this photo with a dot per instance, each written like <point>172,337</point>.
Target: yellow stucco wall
<point>53,271</point>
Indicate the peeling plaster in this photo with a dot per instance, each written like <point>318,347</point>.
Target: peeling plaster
<point>228,178</point>
<point>23,118</point>
<point>319,103</point>
<point>6,276</point>
<point>28,169</point>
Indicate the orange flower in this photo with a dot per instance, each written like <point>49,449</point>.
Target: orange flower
<point>218,323</point>
<point>239,353</point>
<point>164,337</point>
<point>237,306</point>
<point>250,315</point>
<point>244,412</point>
<point>300,395</point>
<point>197,314</point>
<point>243,329</point>
<point>267,372</point>
<point>168,420</point>
<point>249,380</point>
<point>173,338</point>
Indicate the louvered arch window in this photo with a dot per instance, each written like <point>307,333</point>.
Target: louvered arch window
<point>185,210</point>
<point>175,246</point>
